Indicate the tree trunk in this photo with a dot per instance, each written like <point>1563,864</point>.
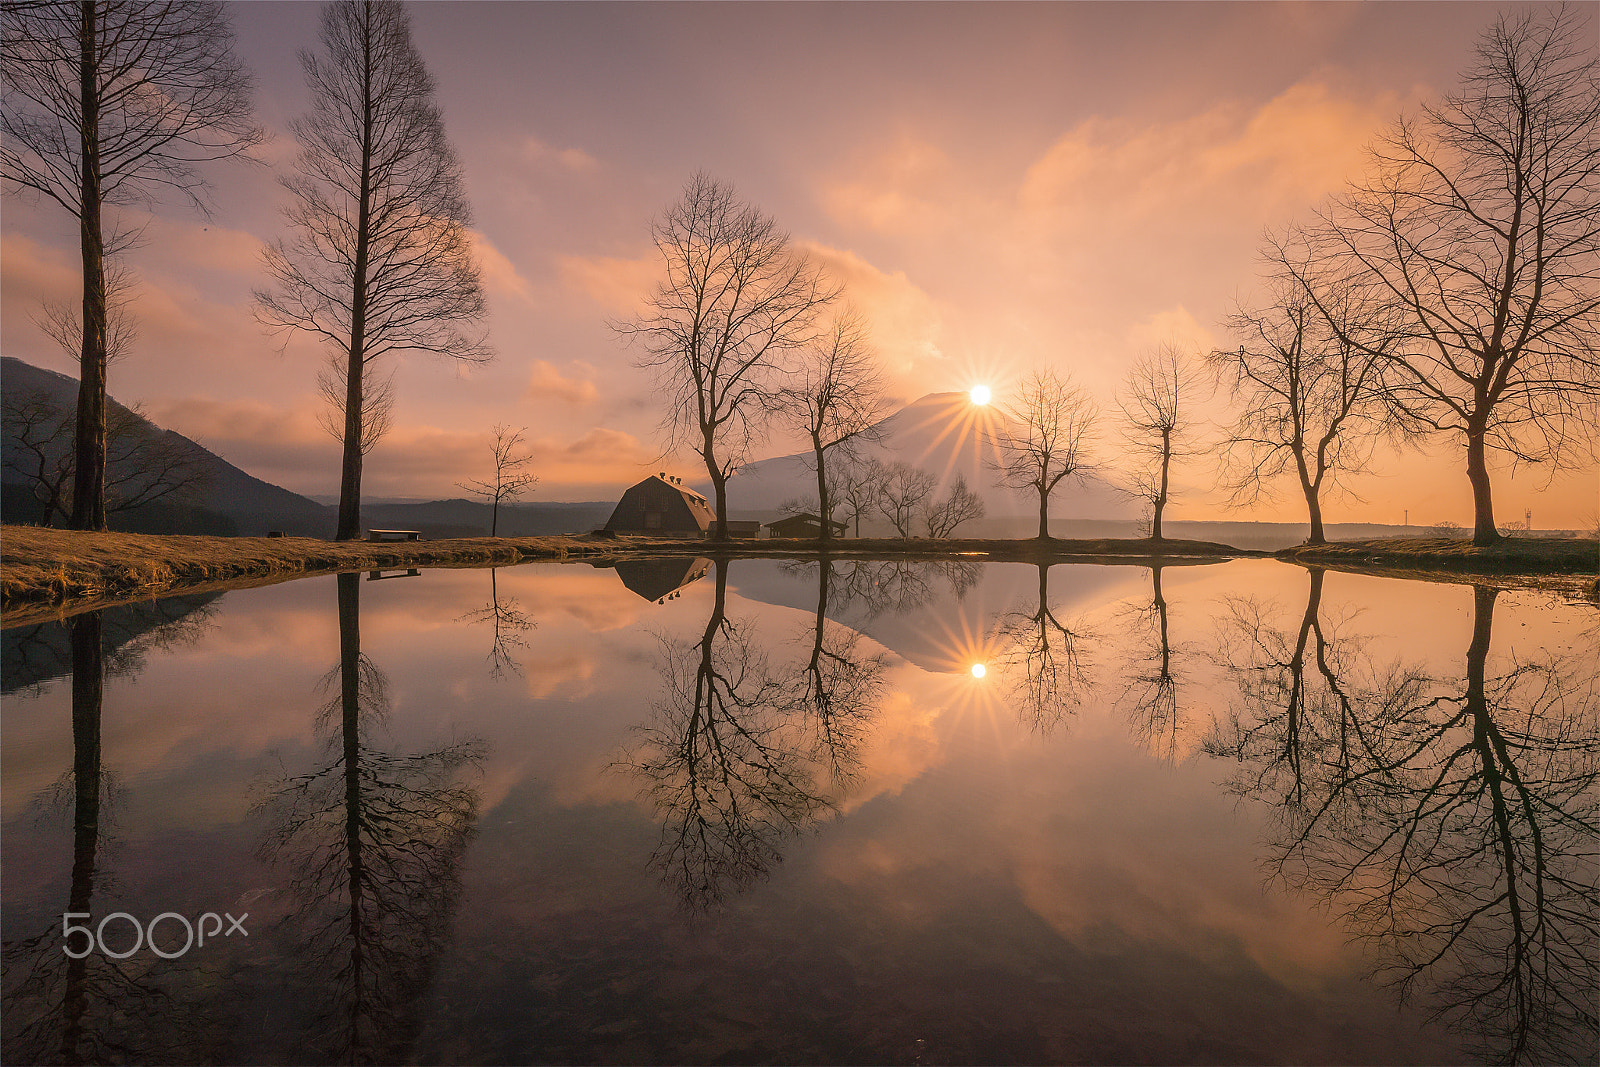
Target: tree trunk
<point>89,442</point>
<point>1314,510</point>
<point>494,518</point>
<point>88,692</point>
<point>1161,497</point>
<point>1483,529</point>
<point>1044,516</point>
<point>719,490</point>
<point>350,698</point>
<point>823,511</point>
<point>350,476</point>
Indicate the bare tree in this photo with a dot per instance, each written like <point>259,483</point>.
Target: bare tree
<point>1480,224</point>
<point>111,103</point>
<point>377,401</point>
<point>511,476</point>
<point>837,399</point>
<point>858,483</point>
<point>63,323</point>
<point>960,505</point>
<point>1056,421</point>
<point>1157,403</point>
<point>903,494</point>
<point>1310,398</point>
<point>735,302</point>
<point>380,259</point>
<point>144,464</point>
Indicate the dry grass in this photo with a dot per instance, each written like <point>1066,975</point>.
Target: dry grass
<point>1512,555</point>
<point>42,567</point>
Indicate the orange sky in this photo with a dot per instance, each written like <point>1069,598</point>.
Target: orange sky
<point>998,186</point>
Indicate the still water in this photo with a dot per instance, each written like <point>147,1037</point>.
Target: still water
<point>774,812</point>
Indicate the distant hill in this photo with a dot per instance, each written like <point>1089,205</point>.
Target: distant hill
<point>230,502</point>
<point>945,434</point>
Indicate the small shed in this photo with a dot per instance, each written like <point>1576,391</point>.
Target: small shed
<point>661,506</point>
<point>804,525</point>
<point>743,529</point>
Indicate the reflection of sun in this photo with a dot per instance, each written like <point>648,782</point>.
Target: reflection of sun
<point>979,670</point>
<point>979,394</point>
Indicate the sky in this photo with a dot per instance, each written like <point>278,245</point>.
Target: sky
<point>997,186</point>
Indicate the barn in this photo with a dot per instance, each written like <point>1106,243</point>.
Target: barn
<point>661,506</point>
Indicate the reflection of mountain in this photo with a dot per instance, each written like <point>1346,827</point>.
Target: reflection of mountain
<point>942,433</point>
<point>656,578</point>
<point>40,652</point>
<point>230,501</point>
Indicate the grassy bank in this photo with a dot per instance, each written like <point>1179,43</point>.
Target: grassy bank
<point>41,567</point>
<point>1512,555</point>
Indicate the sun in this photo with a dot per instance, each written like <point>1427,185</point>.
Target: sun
<point>979,670</point>
<point>979,394</point>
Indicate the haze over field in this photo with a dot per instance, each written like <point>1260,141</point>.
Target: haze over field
<point>998,187</point>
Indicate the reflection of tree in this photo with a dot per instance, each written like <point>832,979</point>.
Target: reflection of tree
<point>899,586</point>
<point>93,1009</point>
<point>722,760</point>
<point>1153,678</point>
<point>510,622</point>
<point>1453,822</point>
<point>37,653</point>
<point>1046,657</point>
<point>375,841</point>
<point>840,685</point>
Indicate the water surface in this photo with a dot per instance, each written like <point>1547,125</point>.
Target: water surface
<point>768,812</point>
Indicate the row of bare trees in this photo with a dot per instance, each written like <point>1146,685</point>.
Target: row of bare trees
<point>1452,293</point>
<point>110,104</point>
<point>897,492</point>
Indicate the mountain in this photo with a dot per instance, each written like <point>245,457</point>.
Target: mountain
<point>948,435</point>
<point>228,501</point>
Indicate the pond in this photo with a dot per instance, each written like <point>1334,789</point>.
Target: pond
<point>765,811</point>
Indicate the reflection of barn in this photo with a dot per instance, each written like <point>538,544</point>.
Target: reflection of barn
<point>656,579</point>
<point>804,525</point>
<point>663,507</point>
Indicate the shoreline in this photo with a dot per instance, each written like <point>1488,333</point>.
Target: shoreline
<point>48,573</point>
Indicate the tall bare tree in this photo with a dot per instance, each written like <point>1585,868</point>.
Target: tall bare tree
<point>1157,403</point>
<point>736,302</point>
<point>380,260</point>
<point>511,475</point>
<point>107,103</point>
<point>836,398</point>
<point>1309,398</point>
<point>1054,427</point>
<point>1480,223</point>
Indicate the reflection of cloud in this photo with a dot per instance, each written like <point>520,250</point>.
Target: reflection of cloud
<point>570,673</point>
<point>547,382</point>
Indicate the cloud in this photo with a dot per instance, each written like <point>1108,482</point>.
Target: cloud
<point>905,320</point>
<point>575,160</point>
<point>901,187</point>
<point>499,273</point>
<point>1175,326</point>
<point>1295,149</point>
<point>547,383</point>
<point>619,285</point>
